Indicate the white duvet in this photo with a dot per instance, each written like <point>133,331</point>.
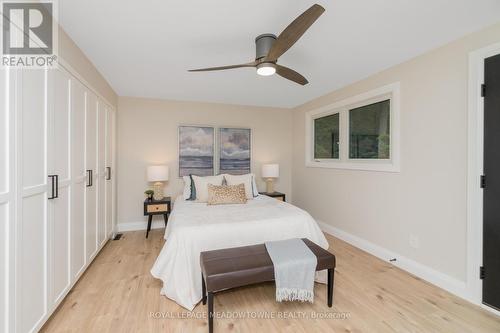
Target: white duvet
<point>196,227</point>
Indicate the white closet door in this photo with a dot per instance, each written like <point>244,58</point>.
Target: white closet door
<point>101,173</point>
<point>32,196</point>
<point>59,166</point>
<point>6,202</point>
<point>110,170</point>
<point>78,234</point>
<point>91,166</point>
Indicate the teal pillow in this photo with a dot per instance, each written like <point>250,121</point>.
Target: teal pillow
<point>193,189</point>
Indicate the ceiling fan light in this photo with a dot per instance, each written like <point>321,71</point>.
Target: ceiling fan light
<point>266,69</point>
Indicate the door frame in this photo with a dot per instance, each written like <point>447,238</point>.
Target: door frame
<point>475,152</point>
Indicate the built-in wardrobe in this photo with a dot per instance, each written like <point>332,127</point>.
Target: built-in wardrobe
<point>57,189</point>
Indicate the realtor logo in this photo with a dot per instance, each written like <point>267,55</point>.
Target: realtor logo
<point>29,34</point>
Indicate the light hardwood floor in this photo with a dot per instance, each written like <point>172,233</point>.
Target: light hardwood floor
<point>118,294</point>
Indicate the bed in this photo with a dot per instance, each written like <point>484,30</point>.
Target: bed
<point>195,227</point>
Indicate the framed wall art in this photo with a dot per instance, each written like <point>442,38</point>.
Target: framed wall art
<point>234,150</point>
<point>196,150</point>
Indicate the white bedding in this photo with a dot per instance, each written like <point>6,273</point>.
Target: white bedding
<point>195,227</point>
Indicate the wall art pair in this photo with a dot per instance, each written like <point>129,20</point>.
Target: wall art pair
<point>197,150</point>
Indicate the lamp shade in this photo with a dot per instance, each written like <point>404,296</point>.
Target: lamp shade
<point>157,173</point>
<point>270,170</point>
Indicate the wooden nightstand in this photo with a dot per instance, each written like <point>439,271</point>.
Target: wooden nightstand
<point>277,195</point>
<point>157,207</point>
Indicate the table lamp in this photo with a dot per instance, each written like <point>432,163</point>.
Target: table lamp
<point>270,171</point>
<point>158,174</point>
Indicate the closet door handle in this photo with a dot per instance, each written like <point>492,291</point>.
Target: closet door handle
<point>53,194</point>
<point>89,178</point>
<point>108,169</point>
<point>57,186</point>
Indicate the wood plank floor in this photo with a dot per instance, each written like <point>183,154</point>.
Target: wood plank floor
<point>118,294</point>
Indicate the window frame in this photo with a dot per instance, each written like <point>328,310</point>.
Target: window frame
<point>389,92</point>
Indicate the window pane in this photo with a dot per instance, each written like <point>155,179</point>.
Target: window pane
<point>369,131</point>
<point>326,137</point>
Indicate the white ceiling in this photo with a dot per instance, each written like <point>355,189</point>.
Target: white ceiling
<point>144,48</point>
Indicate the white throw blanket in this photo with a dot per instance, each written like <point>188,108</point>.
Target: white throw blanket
<point>195,227</point>
<point>294,270</point>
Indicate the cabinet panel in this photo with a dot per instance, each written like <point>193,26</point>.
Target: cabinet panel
<point>78,105</point>
<point>4,130</point>
<point>34,127</point>
<point>4,263</point>
<point>61,123</point>
<point>78,257</point>
<point>60,245</point>
<point>31,279</point>
<point>78,115</point>
<point>91,164</point>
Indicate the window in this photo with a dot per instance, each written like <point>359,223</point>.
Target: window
<point>326,137</point>
<point>369,134</point>
<point>361,132</point>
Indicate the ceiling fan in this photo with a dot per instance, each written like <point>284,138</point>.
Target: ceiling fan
<point>269,48</point>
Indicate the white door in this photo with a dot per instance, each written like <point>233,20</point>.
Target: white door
<point>91,166</point>
<point>101,173</point>
<point>59,168</point>
<point>6,203</point>
<point>110,174</point>
<point>34,189</point>
<point>79,179</point>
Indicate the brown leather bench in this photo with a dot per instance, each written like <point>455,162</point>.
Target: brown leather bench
<point>241,266</point>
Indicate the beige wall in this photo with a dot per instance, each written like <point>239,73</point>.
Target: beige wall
<point>147,134</point>
<point>74,56</point>
<point>428,197</point>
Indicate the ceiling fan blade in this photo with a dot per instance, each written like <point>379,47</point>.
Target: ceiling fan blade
<point>291,75</point>
<point>294,31</point>
<point>250,64</point>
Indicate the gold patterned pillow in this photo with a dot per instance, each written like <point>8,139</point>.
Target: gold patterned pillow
<point>226,194</point>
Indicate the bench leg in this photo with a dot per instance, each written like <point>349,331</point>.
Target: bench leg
<point>203,290</point>
<point>210,312</point>
<point>330,287</point>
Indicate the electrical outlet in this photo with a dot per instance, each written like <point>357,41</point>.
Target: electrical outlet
<point>414,241</point>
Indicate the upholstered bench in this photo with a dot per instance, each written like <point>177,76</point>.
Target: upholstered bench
<point>241,266</point>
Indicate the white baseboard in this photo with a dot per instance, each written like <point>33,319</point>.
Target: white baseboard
<point>142,225</point>
<point>444,281</point>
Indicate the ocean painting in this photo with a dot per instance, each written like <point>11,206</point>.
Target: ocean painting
<point>234,150</point>
<point>196,151</point>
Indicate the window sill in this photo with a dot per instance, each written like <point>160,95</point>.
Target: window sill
<point>382,166</point>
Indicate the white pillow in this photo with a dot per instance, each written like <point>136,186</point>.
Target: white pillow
<point>247,180</point>
<point>254,186</point>
<point>201,185</point>
<point>186,194</point>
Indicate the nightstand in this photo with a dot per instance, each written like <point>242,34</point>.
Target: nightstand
<point>157,207</point>
<point>277,195</point>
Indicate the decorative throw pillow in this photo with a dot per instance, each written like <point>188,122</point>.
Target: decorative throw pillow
<point>192,189</point>
<point>247,180</point>
<point>186,193</point>
<point>226,194</point>
<point>201,186</point>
